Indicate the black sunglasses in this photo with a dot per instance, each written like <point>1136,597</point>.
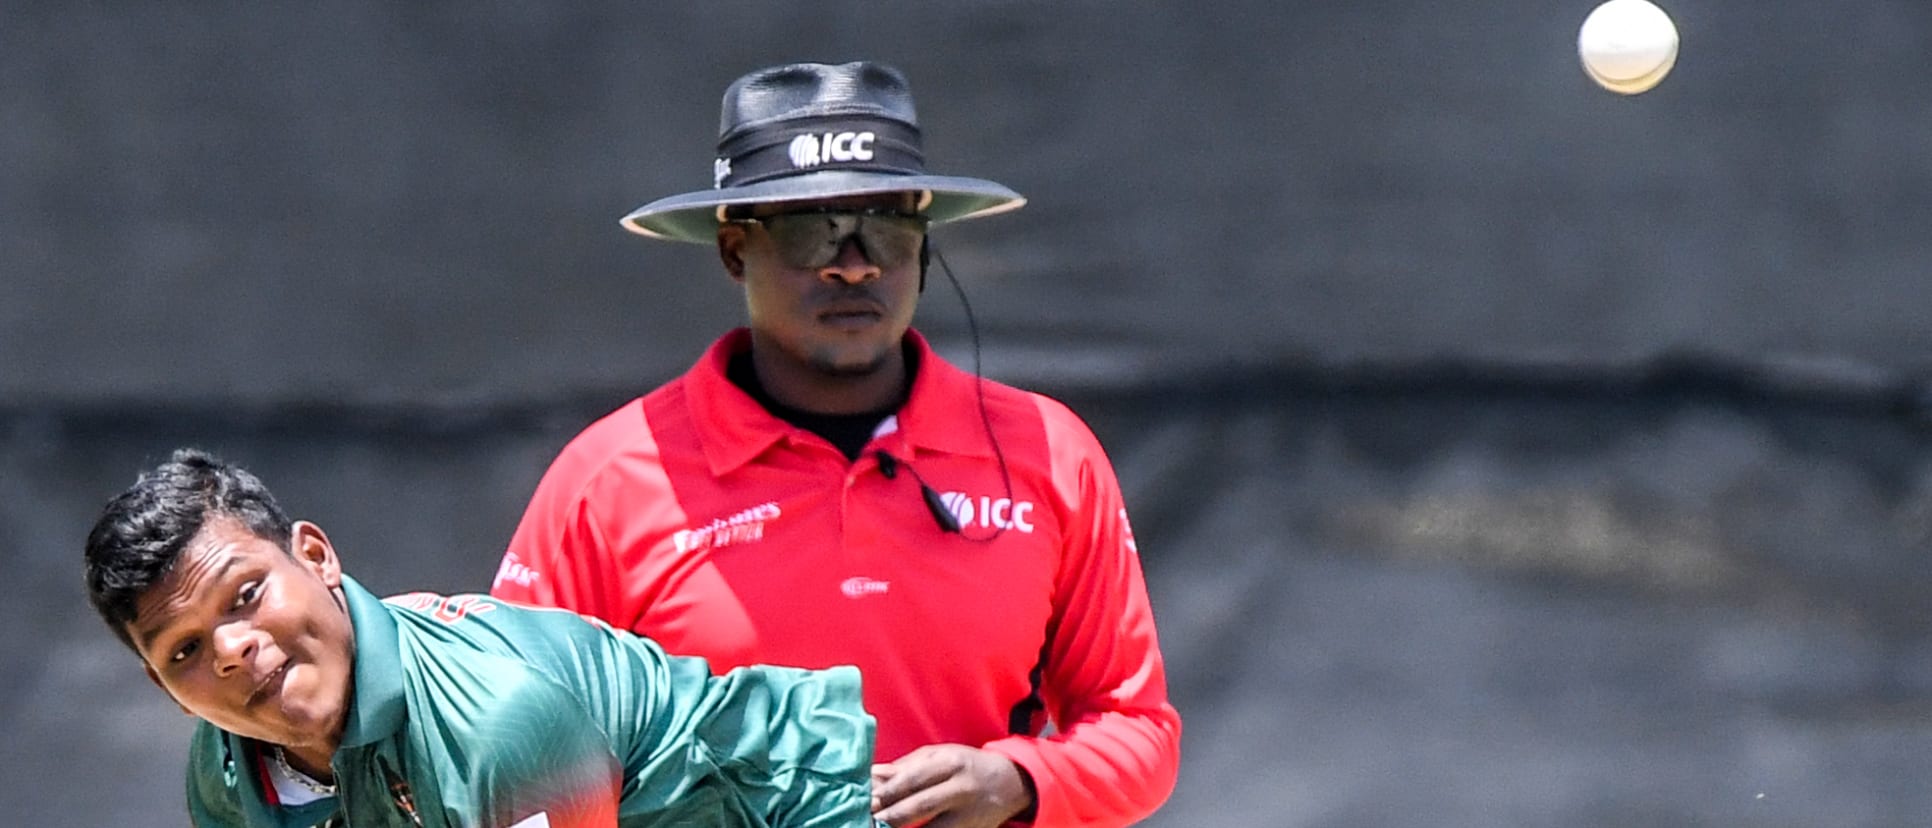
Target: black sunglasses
<point>811,239</point>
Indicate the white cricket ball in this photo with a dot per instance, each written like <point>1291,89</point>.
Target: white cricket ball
<point>1627,46</point>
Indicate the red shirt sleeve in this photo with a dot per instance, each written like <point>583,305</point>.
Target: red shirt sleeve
<point>559,556</point>
<point>1115,752</point>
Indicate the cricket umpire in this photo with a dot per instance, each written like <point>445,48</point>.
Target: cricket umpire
<point>822,488</point>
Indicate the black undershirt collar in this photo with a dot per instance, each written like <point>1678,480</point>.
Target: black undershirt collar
<point>848,432</point>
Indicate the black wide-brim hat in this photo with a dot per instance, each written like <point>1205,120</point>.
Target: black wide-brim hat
<point>813,131</point>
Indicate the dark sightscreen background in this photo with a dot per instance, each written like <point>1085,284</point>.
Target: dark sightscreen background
<point>1502,451</point>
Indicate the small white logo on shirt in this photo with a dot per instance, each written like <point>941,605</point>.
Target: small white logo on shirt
<point>861,586</point>
<point>743,527</point>
<point>812,150</point>
<point>539,821</point>
<point>991,512</point>
<point>514,571</point>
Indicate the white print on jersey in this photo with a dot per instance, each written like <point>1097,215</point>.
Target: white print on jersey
<point>514,571</point>
<point>448,609</point>
<point>538,821</point>
<point>991,512</point>
<point>743,527</point>
<point>861,586</point>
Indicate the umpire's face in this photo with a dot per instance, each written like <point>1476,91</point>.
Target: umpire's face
<point>823,311</point>
<point>253,637</point>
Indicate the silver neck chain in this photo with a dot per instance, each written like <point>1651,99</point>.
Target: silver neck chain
<point>303,779</point>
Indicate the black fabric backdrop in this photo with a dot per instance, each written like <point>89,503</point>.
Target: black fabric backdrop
<point>1504,452</point>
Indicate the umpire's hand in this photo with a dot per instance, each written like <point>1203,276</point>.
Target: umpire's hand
<point>949,786</point>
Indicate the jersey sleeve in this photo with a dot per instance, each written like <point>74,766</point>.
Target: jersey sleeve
<point>1115,753</point>
<point>508,745</point>
<point>548,714</point>
<point>540,758</point>
<point>762,745</point>
<point>560,556</point>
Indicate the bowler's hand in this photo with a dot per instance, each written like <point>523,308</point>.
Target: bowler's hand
<point>953,786</point>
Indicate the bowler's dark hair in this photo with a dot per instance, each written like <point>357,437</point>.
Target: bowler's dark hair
<point>139,535</point>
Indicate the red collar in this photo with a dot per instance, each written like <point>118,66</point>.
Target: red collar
<point>940,415</point>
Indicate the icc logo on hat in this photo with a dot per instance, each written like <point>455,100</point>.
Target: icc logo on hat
<point>810,150</point>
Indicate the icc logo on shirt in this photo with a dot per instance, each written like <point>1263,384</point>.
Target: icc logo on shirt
<point>992,512</point>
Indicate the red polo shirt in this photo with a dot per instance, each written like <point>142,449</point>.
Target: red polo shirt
<point>694,516</point>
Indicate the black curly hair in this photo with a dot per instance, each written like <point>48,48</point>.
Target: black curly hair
<point>141,532</point>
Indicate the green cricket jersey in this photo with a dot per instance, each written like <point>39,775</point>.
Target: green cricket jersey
<point>473,713</point>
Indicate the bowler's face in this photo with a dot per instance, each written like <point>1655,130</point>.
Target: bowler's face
<point>844,319</point>
<point>254,641</point>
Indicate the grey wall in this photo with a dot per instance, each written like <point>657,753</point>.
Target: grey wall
<point>363,201</point>
<point>1505,452</point>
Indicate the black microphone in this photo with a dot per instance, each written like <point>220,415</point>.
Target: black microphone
<point>948,522</point>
